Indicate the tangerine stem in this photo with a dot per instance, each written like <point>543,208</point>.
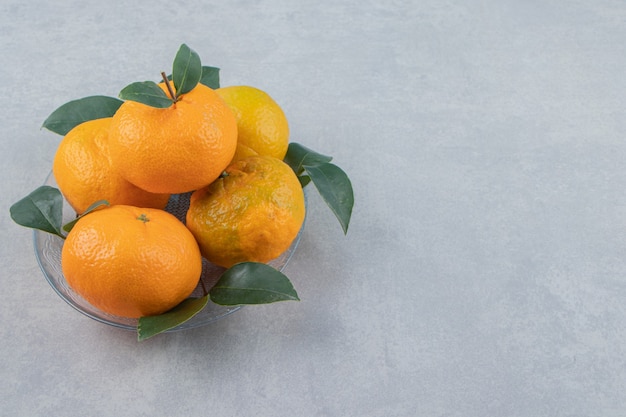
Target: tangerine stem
<point>169,86</point>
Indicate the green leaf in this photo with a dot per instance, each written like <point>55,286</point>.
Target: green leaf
<point>335,188</point>
<point>298,155</point>
<point>187,70</point>
<point>332,183</point>
<point>148,93</point>
<point>304,180</point>
<point>68,226</point>
<point>75,112</point>
<point>252,283</point>
<point>210,77</point>
<point>42,209</point>
<point>153,325</point>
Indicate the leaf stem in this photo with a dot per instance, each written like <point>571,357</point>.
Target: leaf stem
<point>169,87</point>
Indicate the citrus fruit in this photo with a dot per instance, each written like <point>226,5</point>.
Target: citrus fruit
<point>130,261</point>
<point>84,173</point>
<point>177,149</point>
<point>252,213</point>
<point>262,127</point>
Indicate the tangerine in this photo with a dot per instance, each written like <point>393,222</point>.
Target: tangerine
<point>262,127</point>
<point>84,173</point>
<point>130,261</point>
<point>177,149</point>
<point>252,213</point>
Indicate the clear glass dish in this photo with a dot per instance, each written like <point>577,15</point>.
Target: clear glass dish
<point>48,252</point>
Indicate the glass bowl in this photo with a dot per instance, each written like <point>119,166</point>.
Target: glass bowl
<point>48,252</point>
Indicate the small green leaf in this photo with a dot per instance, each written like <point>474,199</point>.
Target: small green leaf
<point>298,155</point>
<point>68,226</point>
<point>148,93</point>
<point>252,283</point>
<point>332,183</point>
<point>335,188</point>
<point>75,112</point>
<point>42,209</point>
<point>153,325</point>
<point>210,77</point>
<point>187,70</point>
<point>304,180</point>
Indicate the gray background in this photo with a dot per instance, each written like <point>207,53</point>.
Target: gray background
<point>484,271</point>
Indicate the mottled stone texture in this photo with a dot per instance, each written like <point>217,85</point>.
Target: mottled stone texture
<point>484,272</point>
